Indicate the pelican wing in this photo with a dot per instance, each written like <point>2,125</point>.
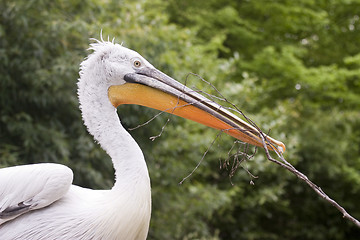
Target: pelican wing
<point>29,187</point>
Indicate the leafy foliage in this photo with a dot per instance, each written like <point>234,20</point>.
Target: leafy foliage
<point>293,67</point>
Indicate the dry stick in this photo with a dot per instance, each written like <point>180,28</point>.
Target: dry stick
<point>238,162</point>
<point>202,158</point>
<point>234,165</point>
<point>147,122</point>
<point>285,164</point>
<point>303,177</point>
<point>152,138</point>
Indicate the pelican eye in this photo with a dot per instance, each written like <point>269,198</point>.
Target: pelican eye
<point>137,63</point>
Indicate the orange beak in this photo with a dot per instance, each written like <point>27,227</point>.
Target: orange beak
<point>151,88</point>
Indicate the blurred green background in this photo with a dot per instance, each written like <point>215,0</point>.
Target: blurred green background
<point>291,66</point>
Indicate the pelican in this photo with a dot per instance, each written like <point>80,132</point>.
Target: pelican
<point>39,201</point>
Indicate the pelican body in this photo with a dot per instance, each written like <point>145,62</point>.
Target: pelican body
<point>39,201</point>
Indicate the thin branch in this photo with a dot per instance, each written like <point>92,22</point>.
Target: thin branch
<point>202,158</point>
<point>285,164</point>
<point>266,144</point>
<point>147,122</point>
<point>239,158</point>
<point>152,138</point>
<point>303,177</point>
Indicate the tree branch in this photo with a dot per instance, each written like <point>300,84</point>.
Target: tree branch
<point>283,163</point>
<point>317,189</point>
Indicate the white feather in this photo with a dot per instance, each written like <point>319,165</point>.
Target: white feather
<point>43,184</point>
<point>61,212</point>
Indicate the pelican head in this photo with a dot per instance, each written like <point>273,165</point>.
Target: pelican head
<point>128,78</point>
<point>111,76</point>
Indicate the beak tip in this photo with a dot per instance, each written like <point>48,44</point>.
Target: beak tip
<point>281,147</point>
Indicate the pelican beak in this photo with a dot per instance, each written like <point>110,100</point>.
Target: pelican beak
<point>151,88</point>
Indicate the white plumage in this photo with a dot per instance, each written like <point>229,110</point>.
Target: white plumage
<point>38,191</point>
<point>38,201</point>
<point>120,213</point>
